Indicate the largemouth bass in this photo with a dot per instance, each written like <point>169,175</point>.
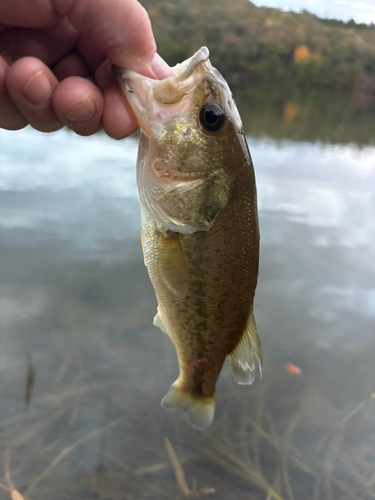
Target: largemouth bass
<point>199,226</point>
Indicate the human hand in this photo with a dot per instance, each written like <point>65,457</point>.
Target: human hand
<point>55,63</point>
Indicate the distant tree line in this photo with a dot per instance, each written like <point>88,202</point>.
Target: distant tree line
<point>259,46</point>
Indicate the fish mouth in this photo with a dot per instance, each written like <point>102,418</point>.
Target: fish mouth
<point>188,75</point>
<point>184,80</point>
<point>151,100</point>
<point>187,68</point>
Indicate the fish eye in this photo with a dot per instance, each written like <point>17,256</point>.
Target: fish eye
<point>212,117</point>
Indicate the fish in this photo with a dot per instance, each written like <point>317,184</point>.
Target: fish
<point>199,227</point>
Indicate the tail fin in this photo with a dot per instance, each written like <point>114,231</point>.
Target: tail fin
<point>199,412</point>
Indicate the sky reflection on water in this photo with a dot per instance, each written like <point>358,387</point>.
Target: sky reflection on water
<point>76,199</point>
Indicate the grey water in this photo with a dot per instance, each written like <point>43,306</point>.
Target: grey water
<point>82,368</point>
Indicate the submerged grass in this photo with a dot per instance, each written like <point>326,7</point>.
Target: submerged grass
<point>258,448</point>
<point>92,427</point>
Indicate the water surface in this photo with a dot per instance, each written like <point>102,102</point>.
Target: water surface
<point>82,368</point>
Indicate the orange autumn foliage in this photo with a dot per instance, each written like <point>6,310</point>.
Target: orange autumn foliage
<point>301,53</point>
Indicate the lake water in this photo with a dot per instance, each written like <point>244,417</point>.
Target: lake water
<point>82,368</point>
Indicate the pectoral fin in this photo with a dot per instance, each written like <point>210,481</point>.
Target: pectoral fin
<point>242,357</point>
<point>173,264</point>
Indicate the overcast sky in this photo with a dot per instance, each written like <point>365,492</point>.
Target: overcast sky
<point>362,11</point>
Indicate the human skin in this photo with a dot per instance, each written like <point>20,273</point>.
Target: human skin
<point>55,63</point>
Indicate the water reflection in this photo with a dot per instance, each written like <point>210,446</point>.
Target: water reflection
<point>76,309</point>
<point>314,115</point>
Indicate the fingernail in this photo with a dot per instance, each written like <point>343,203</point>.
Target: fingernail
<point>82,112</point>
<point>143,68</point>
<point>161,68</point>
<point>38,89</point>
<point>140,66</point>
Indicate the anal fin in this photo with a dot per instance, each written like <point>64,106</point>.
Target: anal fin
<point>242,357</point>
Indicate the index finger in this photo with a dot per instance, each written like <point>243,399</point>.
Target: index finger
<point>121,29</point>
